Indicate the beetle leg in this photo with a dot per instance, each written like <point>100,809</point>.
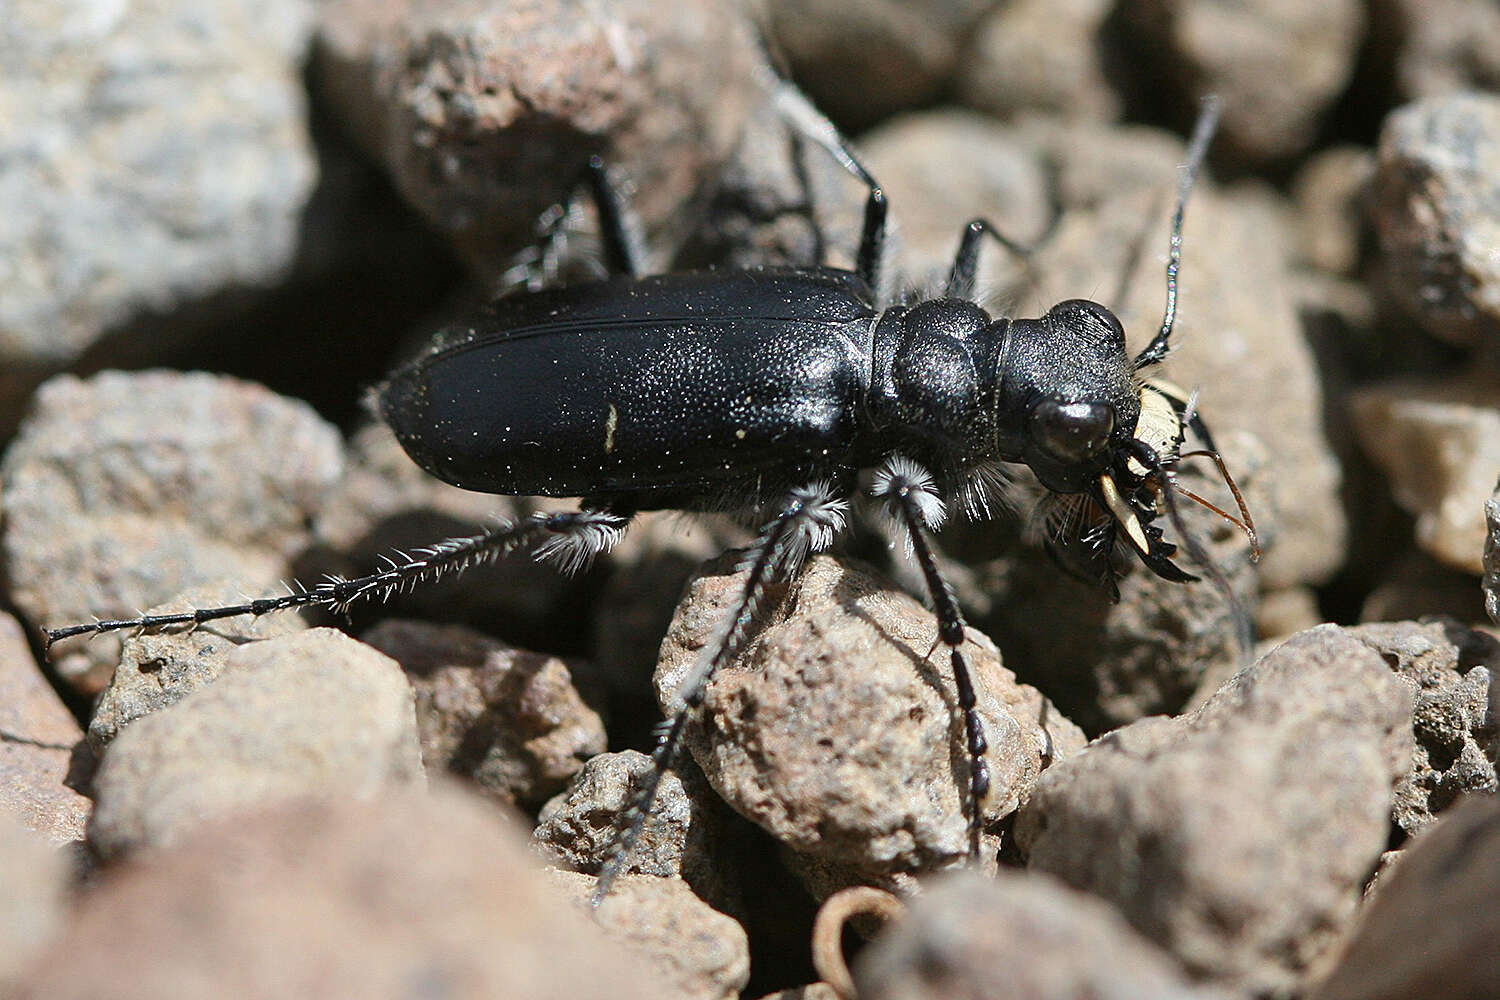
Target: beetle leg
<point>571,537</point>
<point>912,502</point>
<point>808,521</point>
<point>622,249</point>
<point>799,113</point>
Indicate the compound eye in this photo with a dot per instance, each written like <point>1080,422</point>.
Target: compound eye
<point>1072,432</point>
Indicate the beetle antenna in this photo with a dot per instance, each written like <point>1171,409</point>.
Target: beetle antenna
<point>1187,173</point>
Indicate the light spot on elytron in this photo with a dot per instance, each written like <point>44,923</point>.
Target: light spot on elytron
<point>740,434</point>
<point>610,423</point>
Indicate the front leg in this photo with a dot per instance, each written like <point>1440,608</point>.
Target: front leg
<point>906,488</point>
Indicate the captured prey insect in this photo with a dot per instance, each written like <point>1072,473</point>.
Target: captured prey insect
<point>769,392</point>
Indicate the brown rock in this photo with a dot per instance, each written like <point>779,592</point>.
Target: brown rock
<point>835,729</point>
<point>1279,65</point>
<point>1238,837</point>
<point>1431,927</point>
<point>1449,669</point>
<point>1001,180</point>
<point>38,737</point>
<point>1040,56</point>
<point>161,668</point>
<point>1436,208</point>
<point>1439,442</point>
<point>33,895</point>
<point>509,719</point>
<point>485,115</point>
<point>581,827</point>
<point>1027,937</point>
<point>861,60</point>
<point>697,952</point>
<point>314,713</point>
<point>124,490</point>
<point>428,894</point>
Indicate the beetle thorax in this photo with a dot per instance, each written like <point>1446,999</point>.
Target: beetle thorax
<point>932,387</point>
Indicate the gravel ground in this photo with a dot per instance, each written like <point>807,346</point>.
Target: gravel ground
<point>228,221</point>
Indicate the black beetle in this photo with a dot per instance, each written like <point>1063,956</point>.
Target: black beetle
<point>768,391</point>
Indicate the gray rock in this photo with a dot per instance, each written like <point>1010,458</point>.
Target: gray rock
<point>153,154</point>
<point>1439,442</point>
<point>1449,669</point>
<point>1239,837</point>
<point>1431,926</point>
<point>1435,201</point>
<point>511,720</point>
<point>1445,45</point>
<point>1492,556</point>
<point>580,828</point>
<point>1040,56</point>
<point>314,713</point>
<point>697,952</point>
<point>1026,937</point>
<point>834,730</point>
<point>1279,65</point>
<point>485,115</point>
<point>38,737</point>
<point>411,894</point>
<point>161,668</point>
<point>33,895</point>
<point>123,490</point>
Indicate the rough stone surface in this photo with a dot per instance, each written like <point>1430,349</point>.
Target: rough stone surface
<point>1238,837</point>
<point>33,895</point>
<point>1449,669</point>
<point>1436,208</point>
<point>1278,65</point>
<point>411,894</point>
<point>1439,442</point>
<point>861,61</point>
<point>158,669</point>
<point>485,115</point>
<point>314,713</point>
<point>511,720</point>
<point>1042,56</point>
<point>38,737</point>
<point>697,952</point>
<point>1026,937</point>
<point>580,827</point>
<point>834,730</point>
<point>154,152</point>
<point>1431,926</point>
<point>1492,556</point>
<point>123,490</point>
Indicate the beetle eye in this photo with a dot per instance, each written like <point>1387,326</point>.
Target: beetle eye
<point>1072,432</point>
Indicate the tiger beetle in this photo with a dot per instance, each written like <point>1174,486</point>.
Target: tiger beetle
<point>767,392</point>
